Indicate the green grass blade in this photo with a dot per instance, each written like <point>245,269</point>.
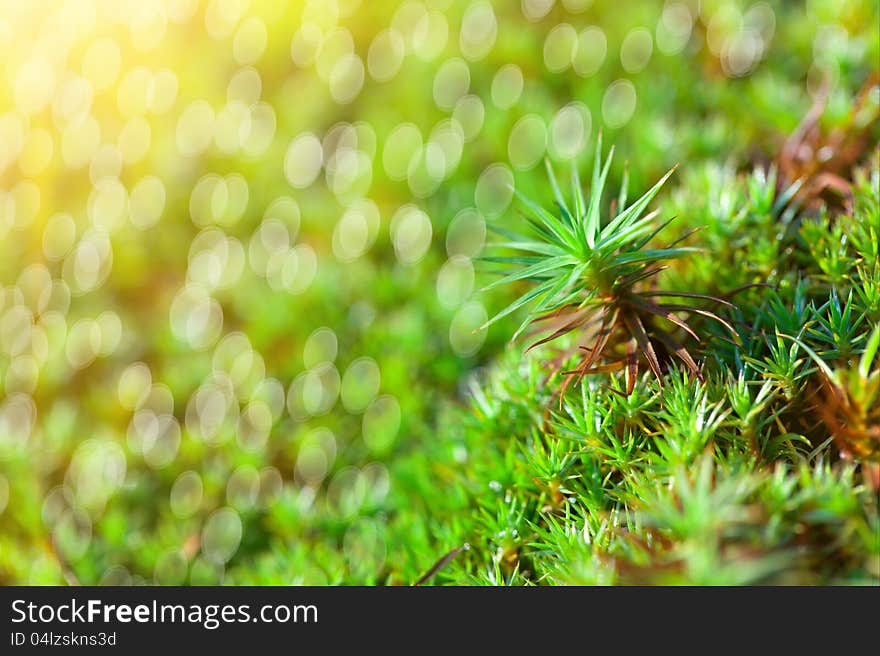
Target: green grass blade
<point>530,246</point>
<point>557,192</point>
<point>592,219</point>
<point>867,358</point>
<point>531,295</point>
<point>577,193</point>
<point>654,255</point>
<point>624,184</point>
<point>544,266</point>
<point>635,210</point>
<point>548,224</point>
<point>636,230</point>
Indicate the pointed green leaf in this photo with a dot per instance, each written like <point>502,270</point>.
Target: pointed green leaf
<point>536,269</point>
<point>653,255</point>
<point>529,246</point>
<point>630,232</point>
<point>532,294</point>
<point>524,259</point>
<point>867,358</point>
<point>642,242</point>
<point>579,203</point>
<point>551,225</point>
<point>592,219</point>
<point>621,198</point>
<point>557,192</point>
<point>634,211</point>
<point>549,298</point>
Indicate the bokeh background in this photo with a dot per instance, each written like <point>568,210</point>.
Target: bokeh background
<point>238,242</point>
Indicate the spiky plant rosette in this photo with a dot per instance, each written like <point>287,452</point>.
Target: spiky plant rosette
<point>597,279</point>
